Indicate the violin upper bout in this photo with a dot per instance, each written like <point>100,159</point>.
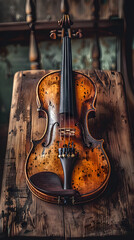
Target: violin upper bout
<point>85,92</point>
<point>48,93</point>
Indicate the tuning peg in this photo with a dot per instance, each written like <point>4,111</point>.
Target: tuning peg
<point>77,34</point>
<point>54,34</point>
<point>60,22</point>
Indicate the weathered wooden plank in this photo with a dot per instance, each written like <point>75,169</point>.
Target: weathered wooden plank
<point>110,214</point>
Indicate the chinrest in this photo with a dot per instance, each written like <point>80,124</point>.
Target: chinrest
<point>50,183</point>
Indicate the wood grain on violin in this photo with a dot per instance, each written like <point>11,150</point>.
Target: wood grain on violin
<point>91,168</point>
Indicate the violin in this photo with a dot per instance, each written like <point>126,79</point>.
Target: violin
<point>67,165</point>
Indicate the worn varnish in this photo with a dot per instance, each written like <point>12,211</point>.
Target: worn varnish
<point>91,169</point>
<point>112,213</point>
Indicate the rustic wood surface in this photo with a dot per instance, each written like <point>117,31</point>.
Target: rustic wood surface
<point>112,214</point>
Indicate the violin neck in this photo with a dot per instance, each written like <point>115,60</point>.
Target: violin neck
<point>67,85</point>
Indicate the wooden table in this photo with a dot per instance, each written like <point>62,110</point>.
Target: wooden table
<point>112,214</point>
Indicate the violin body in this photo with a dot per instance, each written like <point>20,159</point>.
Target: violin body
<point>89,167</point>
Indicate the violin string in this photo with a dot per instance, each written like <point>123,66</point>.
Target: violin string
<point>72,87</point>
<point>60,100</point>
<point>62,114</point>
<point>65,74</point>
<point>60,124</point>
<point>68,62</point>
